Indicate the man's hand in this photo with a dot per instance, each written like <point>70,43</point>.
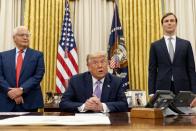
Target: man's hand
<point>193,103</point>
<point>14,93</point>
<point>94,104</point>
<point>19,100</point>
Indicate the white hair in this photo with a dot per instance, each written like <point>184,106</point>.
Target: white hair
<point>16,30</point>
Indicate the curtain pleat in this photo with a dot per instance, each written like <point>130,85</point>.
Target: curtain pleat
<point>44,20</point>
<point>141,25</point>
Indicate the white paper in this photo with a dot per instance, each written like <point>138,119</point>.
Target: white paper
<point>186,110</point>
<point>90,114</point>
<point>56,120</point>
<point>194,109</point>
<point>13,113</point>
<point>168,112</point>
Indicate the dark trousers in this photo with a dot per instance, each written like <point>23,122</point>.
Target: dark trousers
<point>172,88</point>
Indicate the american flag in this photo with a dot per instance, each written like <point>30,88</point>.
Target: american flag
<point>67,58</point>
<point>116,48</point>
<point>115,35</point>
<point>115,62</point>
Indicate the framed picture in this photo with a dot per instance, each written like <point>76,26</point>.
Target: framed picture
<point>136,98</point>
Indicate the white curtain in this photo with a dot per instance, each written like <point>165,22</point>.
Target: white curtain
<point>10,17</point>
<point>185,11</point>
<point>91,22</point>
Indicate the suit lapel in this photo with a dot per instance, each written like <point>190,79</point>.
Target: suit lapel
<point>13,63</point>
<point>165,50</point>
<point>88,89</point>
<point>25,61</point>
<point>106,88</point>
<point>177,49</point>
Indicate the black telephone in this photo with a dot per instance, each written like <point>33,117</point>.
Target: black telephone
<point>183,99</point>
<point>165,98</point>
<point>161,99</point>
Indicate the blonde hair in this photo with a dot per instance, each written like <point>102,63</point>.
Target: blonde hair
<point>94,55</point>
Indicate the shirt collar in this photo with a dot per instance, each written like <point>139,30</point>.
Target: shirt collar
<point>95,80</point>
<point>24,51</point>
<point>167,37</point>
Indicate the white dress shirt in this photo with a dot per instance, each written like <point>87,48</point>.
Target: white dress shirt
<point>105,108</point>
<point>17,52</point>
<point>173,40</point>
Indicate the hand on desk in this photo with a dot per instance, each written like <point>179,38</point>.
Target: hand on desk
<point>94,104</point>
<point>193,103</point>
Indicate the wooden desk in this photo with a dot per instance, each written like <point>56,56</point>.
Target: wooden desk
<point>119,121</point>
<point>52,107</point>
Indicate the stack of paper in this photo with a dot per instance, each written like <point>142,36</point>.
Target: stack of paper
<point>58,120</point>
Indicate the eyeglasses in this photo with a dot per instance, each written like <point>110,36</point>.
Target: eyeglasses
<point>22,35</point>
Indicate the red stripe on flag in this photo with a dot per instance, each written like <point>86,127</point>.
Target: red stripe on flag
<point>73,61</point>
<point>58,89</point>
<point>62,80</point>
<point>60,76</point>
<point>64,65</point>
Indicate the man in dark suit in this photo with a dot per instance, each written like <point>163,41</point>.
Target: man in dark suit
<point>171,61</point>
<point>96,90</point>
<point>21,71</point>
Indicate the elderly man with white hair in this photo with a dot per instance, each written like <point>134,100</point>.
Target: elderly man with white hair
<point>21,71</point>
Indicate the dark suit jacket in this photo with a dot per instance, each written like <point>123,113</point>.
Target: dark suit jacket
<point>31,75</point>
<point>81,88</point>
<point>161,68</point>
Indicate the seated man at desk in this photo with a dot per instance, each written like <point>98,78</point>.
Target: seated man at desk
<point>95,90</point>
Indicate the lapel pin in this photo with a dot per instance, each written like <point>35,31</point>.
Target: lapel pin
<point>108,86</point>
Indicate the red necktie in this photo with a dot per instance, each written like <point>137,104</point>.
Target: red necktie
<point>19,66</point>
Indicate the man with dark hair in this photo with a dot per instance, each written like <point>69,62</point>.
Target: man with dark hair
<point>171,61</point>
<point>167,14</point>
<point>95,90</point>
